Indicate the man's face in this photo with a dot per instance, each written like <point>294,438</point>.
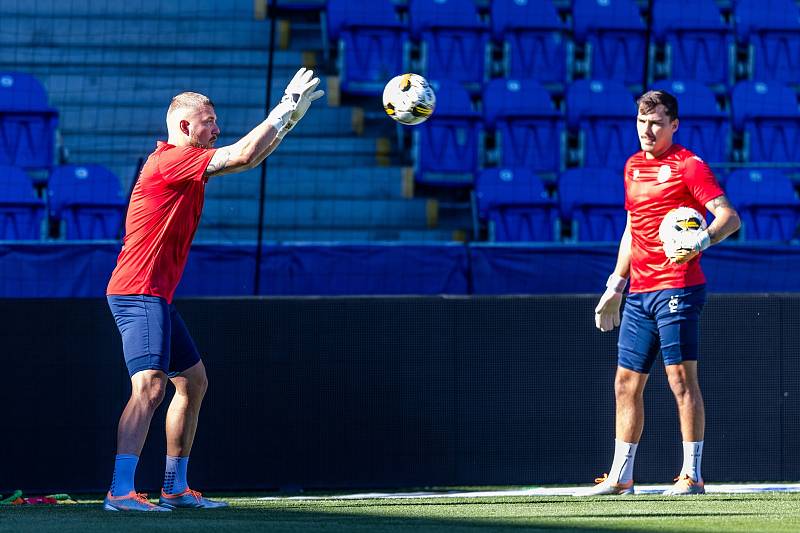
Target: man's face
<point>655,130</point>
<point>201,127</point>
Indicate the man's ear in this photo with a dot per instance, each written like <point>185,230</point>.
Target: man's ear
<point>184,125</point>
<point>675,124</point>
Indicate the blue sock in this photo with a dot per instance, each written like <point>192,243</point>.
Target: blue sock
<point>175,475</point>
<point>124,471</point>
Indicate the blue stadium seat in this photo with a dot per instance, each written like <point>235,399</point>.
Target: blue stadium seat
<point>533,41</point>
<point>771,28</point>
<point>447,147</point>
<point>604,114</point>
<point>699,45</point>
<point>27,122</point>
<point>766,202</point>
<point>704,128</point>
<point>769,116</point>
<point>454,40</point>
<point>530,130</point>
<point>614,34</point>
<point>593,199</point>
<point>515,205</point>
<point>21,213</point>
<point>88,199</point>
<point>371,39</point>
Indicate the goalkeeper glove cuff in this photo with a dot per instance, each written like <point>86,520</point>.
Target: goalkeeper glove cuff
<point>617,283</point>
<point>703,241</point>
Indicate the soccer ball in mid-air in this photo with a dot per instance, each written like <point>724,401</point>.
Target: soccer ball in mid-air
<point>409,99</point>
<point>677,228</point>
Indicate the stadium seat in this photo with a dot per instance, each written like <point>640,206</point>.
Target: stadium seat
<point>534,45</point>
<point>454,41</point>
<point>27,122</point>
<point>21,213</point>
<point>88,199</point>
<point>769,116</point>
<point>771,29</point>
<point>704,128</point>
<point>766,202</point>
<point>614,35</point>
<point>370,39</point>
<point>593,200</point>
<point>447,148</point>
<point>530,130</point>
<point>515,205</point>
<point>698,44</point>
<point>604,115</point>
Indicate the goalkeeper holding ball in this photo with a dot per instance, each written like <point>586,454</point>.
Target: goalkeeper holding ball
<point>667,290</point>
<point>162,218</point>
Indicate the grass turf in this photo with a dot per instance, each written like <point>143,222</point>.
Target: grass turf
<point>770,512</point>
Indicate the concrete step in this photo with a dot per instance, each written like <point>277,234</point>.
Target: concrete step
<point>131,9</point>
<point>121,156</point>
<point>148,63</point>
<point>140,32</point>
<point>130,90</point>
<point>206,234</point>
<point>307,150</point>
<point>321,121</point>
<point>311,182</point>
<point>325,213</point>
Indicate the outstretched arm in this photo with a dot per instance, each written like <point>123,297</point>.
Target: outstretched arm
<point>254,147</point>
<point>251,149</point>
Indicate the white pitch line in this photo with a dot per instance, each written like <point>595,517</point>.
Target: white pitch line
<point>749,488</point>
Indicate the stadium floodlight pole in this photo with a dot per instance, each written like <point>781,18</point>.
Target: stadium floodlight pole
<point>272,12</point>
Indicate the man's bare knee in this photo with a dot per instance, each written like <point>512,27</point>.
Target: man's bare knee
<point>192,383</point>
<point>629,385</point>
<point>149,389</point>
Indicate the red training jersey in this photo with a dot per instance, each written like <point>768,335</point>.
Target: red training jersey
<point>163,215</point>
<point>653,187</point>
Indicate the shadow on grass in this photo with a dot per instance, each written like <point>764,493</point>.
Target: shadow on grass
<point>296,516</point>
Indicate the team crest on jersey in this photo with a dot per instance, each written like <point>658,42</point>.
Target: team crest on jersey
<point>635,174</point>
<point>664,173</point>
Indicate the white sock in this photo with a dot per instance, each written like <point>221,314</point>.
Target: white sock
<point>692,457</point>
<point>622,467</point>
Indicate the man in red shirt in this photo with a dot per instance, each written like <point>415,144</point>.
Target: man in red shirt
<point>667,291</point>
<point>162,219</point>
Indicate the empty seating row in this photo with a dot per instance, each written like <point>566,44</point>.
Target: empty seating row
<point>27,122</point>
<point>85,199</point>
<point>530,131</point>
<point>697,43</point>
<point>515,205</point>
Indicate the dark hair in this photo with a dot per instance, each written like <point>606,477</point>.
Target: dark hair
<point>648,102</point>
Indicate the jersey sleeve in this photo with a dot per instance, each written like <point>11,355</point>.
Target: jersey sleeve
<point>700,180</point>
<point>625,173</point>
<point>185,163</point>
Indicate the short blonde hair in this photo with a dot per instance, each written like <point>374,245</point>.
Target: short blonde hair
<point>189,101</point>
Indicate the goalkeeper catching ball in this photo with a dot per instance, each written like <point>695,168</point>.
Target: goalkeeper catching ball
<point>162,219</point>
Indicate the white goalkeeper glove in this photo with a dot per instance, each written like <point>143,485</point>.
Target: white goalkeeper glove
<point>281,116</point>
<point>606,314</point>
<point>686,246</point>
<point>301,93</point>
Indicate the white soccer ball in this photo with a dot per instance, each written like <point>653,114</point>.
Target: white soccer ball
<point>409,99</point>
<point>677,226</point>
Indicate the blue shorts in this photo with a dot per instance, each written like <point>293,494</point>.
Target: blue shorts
<point>154,336</point>
<point>668,320</point>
